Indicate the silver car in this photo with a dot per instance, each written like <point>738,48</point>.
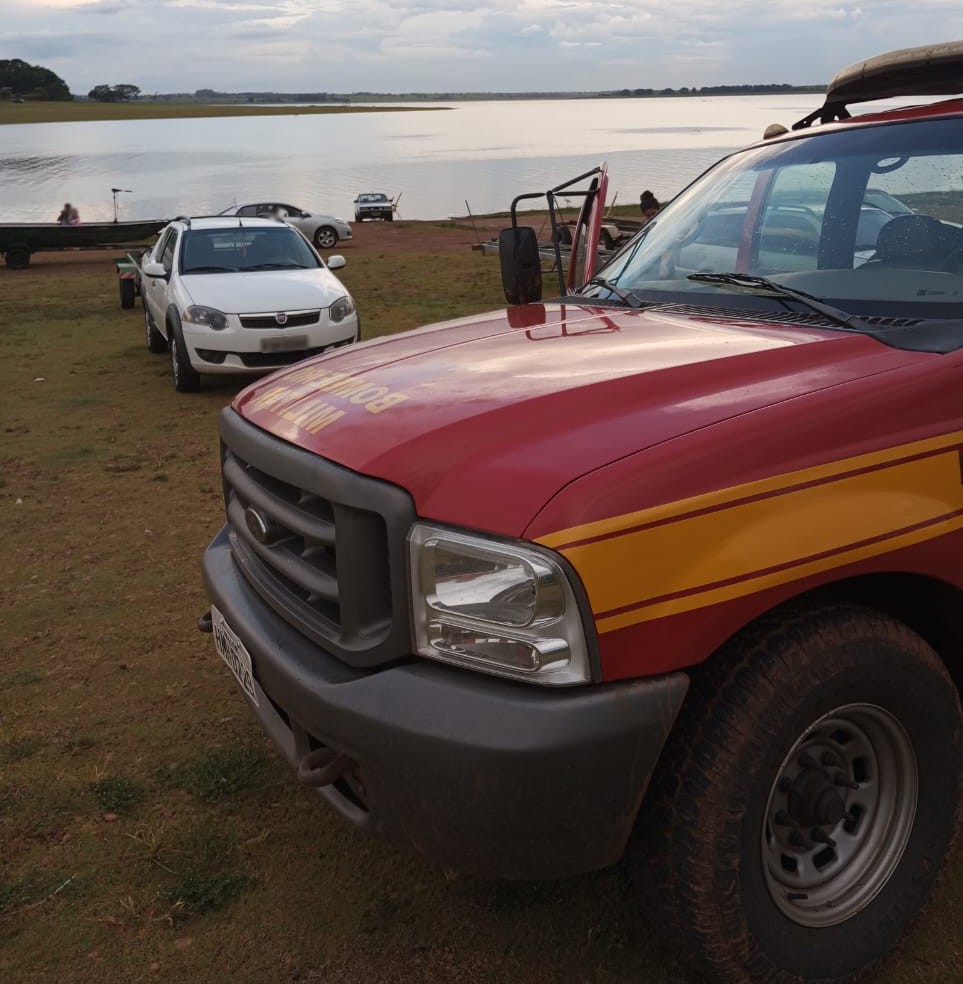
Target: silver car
<point>323,230</point>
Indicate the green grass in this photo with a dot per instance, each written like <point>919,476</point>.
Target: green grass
<point>77,112</point>
<point>148,831</point>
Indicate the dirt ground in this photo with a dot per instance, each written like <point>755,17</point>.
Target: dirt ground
<point>440,235</point>
<point>148,829</point>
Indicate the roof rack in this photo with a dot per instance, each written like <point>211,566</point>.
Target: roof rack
<point>931,70</point>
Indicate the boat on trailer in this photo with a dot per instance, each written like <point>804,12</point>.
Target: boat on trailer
<point>19,240</point>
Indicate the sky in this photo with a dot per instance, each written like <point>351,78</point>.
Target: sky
<point>459,45</point>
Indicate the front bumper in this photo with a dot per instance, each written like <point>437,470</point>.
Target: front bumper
<point>239,350</point>
<point>493,777</point>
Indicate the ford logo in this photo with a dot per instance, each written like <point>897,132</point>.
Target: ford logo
<point>281,318</point>
<point>260,527</point>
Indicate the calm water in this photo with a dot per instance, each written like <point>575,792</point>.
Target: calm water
<point>481,153</point>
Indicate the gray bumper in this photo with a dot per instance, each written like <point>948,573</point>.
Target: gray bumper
<point>497,778</point>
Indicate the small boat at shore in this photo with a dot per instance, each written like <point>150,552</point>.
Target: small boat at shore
<point>19,240</point>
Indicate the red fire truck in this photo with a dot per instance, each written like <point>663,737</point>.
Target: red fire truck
<point>671,562</point>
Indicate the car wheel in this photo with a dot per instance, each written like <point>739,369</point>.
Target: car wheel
<point>325,238</point>
<point>156,342</point>
<point>390,217</point>
<point>808,798</point>
<point>186,380</point>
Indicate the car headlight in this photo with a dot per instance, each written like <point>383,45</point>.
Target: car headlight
<point>342,308</point>
<point>501,607</point>
<point>197,314</point>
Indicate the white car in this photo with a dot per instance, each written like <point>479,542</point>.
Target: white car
<point>239,295</point>
<point>325,231</point>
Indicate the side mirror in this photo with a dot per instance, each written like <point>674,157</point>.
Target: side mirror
<point>335,262</point>
<point>153,269</point>
<point>521,265</point>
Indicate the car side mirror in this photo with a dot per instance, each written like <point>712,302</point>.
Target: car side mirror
<point>153,269</point>
<point>336,262</point>
<point>521,265</point>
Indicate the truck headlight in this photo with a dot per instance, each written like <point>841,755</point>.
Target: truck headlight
<point>497,606</point>
<point>209,317</point>
<point>342,308</point>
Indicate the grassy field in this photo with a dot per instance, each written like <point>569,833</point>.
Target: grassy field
<point>78,112</point>
<point>148,832</point>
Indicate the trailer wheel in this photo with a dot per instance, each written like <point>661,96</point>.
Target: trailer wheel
<point>18,257</point>
<point>128,294</point>
<point>809,798</point>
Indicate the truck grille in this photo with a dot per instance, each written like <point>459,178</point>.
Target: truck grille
<point>323,546</point>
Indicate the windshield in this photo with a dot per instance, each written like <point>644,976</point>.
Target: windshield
<point>245,249</point>
<point>867,219</point>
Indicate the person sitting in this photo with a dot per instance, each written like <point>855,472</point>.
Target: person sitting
<point>74,217</point>
<point>648,205</point>
<point>64,216</point>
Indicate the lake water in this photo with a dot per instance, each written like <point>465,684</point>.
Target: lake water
<point>482,153</point>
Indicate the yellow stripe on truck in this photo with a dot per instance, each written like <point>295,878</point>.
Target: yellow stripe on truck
<point>733,542</point>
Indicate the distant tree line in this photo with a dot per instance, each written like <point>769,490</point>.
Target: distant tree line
<point>18,80</point>
<point>721,90</point>
<point>113,93</point>
<point>342,98</point>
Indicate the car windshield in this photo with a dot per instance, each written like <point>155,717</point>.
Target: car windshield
<point>245,249</point>
<point>866,219</point>
<point>372,199</point>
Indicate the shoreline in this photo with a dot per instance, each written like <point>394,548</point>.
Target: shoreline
<point>22,114</point>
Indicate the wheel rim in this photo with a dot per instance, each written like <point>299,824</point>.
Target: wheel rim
<point>839,815</point>
<point>174,365</point>
<point>326,238</point>
<point>147,325</point>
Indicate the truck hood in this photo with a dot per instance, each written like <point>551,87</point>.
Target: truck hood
<point>264,291</point>
<point>483,419</point>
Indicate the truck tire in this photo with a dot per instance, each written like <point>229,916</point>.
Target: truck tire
<point>808,798</point>
<point>186,379</point>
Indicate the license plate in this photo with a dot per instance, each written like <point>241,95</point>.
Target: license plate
<point>284,343</point>
<point>234,653</point>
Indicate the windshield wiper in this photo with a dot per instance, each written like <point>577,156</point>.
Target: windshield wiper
<point>842,318</point>
<point>626,296</point>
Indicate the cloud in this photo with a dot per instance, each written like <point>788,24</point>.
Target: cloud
<point>450,45</point>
